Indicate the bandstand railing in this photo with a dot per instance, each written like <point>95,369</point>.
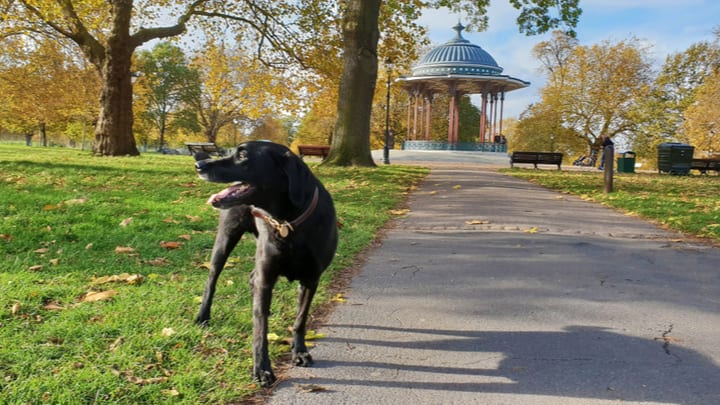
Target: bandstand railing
<point>460,146</point>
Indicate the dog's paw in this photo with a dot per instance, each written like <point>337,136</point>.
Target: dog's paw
<point>265,378</point>
<point>302,359</point>
<point>203,323</point>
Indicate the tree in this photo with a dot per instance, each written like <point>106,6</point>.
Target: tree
<point>702,118</point>
<point>594,89</point>
<point>169,83</point>
<point>662,115</point>
<point>44,86</point>
<point>360,33</point>
<point>109,33</point>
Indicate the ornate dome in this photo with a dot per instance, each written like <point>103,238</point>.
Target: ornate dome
<point>457,57</point>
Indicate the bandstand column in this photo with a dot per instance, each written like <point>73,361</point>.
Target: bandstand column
<point>502,104</point>
<point>428,116</point>
<point>483,118</point>
<point>451,114</point>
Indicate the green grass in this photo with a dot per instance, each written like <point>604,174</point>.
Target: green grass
<point>690,204</point>
<point>64,214</point>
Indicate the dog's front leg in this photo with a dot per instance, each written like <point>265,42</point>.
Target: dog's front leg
<point>300,355</point>
<point>232,224</point>
<point>262,281</point>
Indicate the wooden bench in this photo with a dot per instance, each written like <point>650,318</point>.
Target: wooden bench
<point>207,147</point>
<point>314,150</point>
<point>705,165</point>
<point>546,158</point>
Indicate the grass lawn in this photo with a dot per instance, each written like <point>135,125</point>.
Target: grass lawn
<point>103,265</point>
<point>690,204</point>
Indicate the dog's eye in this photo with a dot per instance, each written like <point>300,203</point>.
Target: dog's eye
<point>241,155</point>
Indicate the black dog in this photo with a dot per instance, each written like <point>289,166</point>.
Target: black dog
<point>274,196</point>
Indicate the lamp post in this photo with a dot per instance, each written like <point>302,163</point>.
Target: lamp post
<point>386,148</point>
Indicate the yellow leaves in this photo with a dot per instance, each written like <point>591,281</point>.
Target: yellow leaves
<point>122,278</point>
<point>457,187</point>
<point>338,298</point>
<point>477,222</point>
<point>127,221</point>
<point>400,212</point>
<point>95,296</point>
<point>533,229</point>
<point>168,332</point>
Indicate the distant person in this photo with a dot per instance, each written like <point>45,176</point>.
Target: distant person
<point>606,141</point>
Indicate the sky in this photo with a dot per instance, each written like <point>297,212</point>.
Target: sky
<point>667,26</point>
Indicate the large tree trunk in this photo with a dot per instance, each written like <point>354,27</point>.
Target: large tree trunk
<point>351,143</point>
<point>113,133</point>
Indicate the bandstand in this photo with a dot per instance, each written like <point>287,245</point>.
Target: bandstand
<point>457,68</point>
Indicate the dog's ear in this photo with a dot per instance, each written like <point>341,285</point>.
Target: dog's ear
<point>299,177</point>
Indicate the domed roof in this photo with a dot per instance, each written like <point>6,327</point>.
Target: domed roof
<point>458,57</point>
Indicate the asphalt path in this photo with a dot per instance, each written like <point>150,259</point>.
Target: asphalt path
<point>492,290</point>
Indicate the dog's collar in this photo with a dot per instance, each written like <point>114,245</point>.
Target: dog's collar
<point>283,228</point>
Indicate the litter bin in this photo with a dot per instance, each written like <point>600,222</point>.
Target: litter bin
<point>626,163</point>
<point>675,158</point>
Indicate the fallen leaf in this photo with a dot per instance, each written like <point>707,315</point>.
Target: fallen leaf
<point>477,222</point>
<point>54,262</point>
<point>35,268</point>
<point>534,229</point>
<point>308,388</point>
<point>160,261</point>
<point>312,335</point>
<point>170,220</point>
<point>404,211</point>
<point>49,207</point>
<point>168,331</point>
<point>170,393</point>
<point>15,308</point>
<point>193,218</point>
<point>88,246</point>
<point>94,296</point>
<point>124,249</point>
<point>73,201</point>
<point>171,245</point>
<point>186,237</point>
<point>53,306</point>
<point>229,282</point>
<point>433,192</point>
<point>457,187</point>
<point>6,237</point>
<point>273,337</point>
<point>124,278</point>
<point>41,250</point>
<point>338,298</point>
<point>126,221</point>
<point>114,345</point>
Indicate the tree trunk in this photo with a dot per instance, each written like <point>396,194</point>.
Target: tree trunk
<point>351,143</point>
<point>114,130</point>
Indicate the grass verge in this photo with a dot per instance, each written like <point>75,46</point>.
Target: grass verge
<point>689,204</point>
<point>103,265</point>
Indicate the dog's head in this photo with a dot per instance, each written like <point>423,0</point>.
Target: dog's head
<point>261,173</point>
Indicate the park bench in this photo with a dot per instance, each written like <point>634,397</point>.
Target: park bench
<point>313,150</point>
<point>546,158</point>
<point>705,165</point>
<point>207,147</point>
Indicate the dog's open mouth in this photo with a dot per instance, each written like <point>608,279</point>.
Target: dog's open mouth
<point>231,195</point>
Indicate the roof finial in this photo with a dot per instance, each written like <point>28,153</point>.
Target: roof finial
<point>458,28</point>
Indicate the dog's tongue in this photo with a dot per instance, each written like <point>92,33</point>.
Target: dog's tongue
<point>237,188</point>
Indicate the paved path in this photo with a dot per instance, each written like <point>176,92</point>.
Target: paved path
<point>546,299</point>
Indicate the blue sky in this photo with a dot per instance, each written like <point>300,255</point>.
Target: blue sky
<point>667,26</point>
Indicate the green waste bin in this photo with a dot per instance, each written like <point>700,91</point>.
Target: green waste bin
<point>675,158</point>
<point>626,163</point>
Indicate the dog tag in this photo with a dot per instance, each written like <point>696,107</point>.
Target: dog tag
<point>283,230</point>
